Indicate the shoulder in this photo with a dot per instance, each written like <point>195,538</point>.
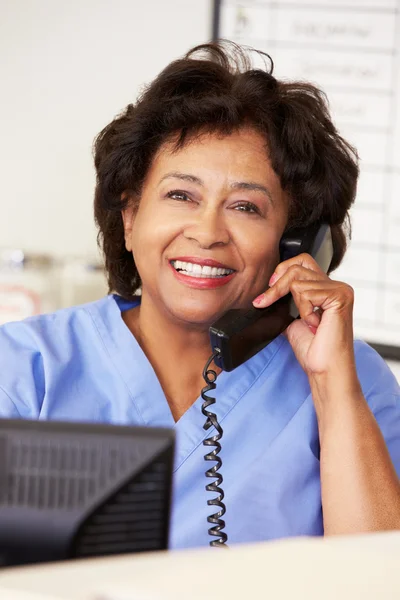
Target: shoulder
<point>379,385</point>
<point>382,393</point>
<point>44,330</point>
<point>35,351</point>
<point>374,374</point>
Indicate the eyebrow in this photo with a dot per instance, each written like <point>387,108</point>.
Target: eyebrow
<point>236,185</point>
<point>253,187</point>
<point>183,176</point>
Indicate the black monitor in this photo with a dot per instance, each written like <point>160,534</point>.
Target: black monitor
<point>74,490</point>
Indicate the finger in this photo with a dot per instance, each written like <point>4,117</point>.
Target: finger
<point>305,299</point>
<point>312,296</point>
<point>314,299</point>
<point>304,260</point>
<point>325,295</point>
<point>280,287</point>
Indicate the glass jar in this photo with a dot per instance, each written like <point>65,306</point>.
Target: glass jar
<point>27,285</point>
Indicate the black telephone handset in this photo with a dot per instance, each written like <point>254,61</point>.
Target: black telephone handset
<point>241,333</point>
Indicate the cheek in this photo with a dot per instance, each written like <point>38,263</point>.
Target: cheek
<point>151,234</point>
<point>142,230</point>
<point>265,265</point>
<point>143,243</point>
<point>260,252</point>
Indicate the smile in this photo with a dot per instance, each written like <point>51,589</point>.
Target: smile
<point>201,271</point>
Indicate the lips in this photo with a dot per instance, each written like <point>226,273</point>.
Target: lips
<point>201,273</point>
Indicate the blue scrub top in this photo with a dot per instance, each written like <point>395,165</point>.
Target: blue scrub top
<point>84,364</point>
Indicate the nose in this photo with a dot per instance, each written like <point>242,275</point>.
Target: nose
<point>208,229</point>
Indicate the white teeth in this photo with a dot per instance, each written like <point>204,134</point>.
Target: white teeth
<point>196,270</point>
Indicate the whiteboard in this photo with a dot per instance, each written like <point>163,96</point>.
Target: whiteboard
<point>351,51</point>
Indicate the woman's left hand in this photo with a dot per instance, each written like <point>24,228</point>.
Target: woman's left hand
<point>322,339</point>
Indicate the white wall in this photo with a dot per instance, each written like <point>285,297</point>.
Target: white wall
<point>67,67</point>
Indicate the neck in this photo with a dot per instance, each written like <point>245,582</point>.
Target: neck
<point>177,353</point>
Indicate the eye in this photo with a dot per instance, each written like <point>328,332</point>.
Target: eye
<point>247,207</point>
<point>179,195</point>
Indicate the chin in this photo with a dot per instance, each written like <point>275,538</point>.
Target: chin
<point>195,314</point>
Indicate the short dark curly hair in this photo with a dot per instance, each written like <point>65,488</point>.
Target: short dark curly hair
<point>215,88</point>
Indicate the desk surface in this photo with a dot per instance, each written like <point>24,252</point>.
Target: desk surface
<point>359,567</point>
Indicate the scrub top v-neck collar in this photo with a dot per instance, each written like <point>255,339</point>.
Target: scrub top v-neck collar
<point>145,390</point>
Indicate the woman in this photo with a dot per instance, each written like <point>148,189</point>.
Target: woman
<point>196,184</point>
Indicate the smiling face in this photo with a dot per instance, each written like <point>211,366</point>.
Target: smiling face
<point>206,233</point>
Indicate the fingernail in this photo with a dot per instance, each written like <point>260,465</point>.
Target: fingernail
<point>273,278</point>
<point>313,329</point>
<point>259,299</point>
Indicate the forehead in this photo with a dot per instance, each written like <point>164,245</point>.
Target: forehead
<point>241,154</point>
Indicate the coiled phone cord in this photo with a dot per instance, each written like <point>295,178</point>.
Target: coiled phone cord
<point>218,524</point>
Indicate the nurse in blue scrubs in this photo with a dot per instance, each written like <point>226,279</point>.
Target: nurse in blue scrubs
<point>196,183</point>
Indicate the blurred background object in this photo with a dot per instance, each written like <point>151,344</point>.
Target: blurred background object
<point>31,283</point>
<point>80,281</point>
<point>27,285</point>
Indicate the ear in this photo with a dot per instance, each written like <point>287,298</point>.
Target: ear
<point>128,217</point>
